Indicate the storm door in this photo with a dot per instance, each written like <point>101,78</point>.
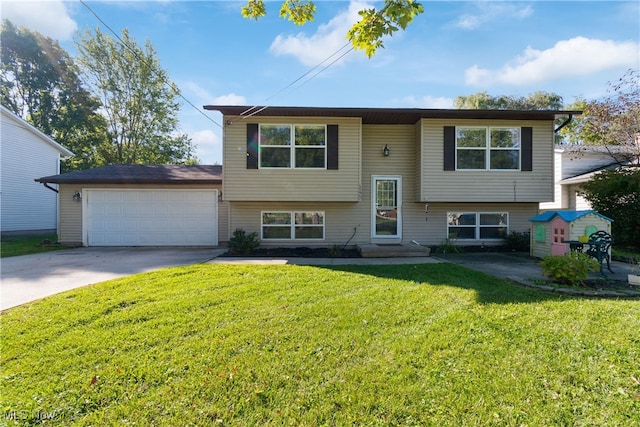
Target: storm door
<point>386,221</point>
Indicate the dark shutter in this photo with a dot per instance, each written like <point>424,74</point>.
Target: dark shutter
<point>332,146</point>
<point>252,146</point>
<point>526,139</point>
<point>449,148</point>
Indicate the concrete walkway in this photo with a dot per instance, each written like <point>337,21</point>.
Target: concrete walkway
<point>31,277</point>
<point>325,261</point>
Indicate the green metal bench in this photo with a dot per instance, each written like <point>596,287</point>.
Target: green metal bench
<point>600,248</point>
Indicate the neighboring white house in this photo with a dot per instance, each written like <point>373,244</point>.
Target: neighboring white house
<point>27,207</point>
<point>573,166</point>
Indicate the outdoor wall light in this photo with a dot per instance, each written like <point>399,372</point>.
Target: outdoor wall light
<point>77,196</point>
<point>385,150</point>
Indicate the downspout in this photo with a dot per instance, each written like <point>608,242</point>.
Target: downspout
<point>49,187</point>
<point>566,122</point>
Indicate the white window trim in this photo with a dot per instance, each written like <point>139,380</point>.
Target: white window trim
<point>292,226</point>
<point>292,145</point>
<point>399,210</point>
<point>488,148</point>
<point>478,226</point>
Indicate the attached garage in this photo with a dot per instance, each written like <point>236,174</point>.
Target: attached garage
<point>142,205</point>
<point>148,217</point>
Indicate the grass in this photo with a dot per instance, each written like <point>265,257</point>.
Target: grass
<point>432,344</point>
<point>25,245</point>
<point>625,254</point>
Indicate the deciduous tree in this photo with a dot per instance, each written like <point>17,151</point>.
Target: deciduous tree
<point>616,194</point>
<point>613,121</point>
<point>536,101</point>
<point>366,34</point>
<point>40,83</point>
<point>139,101</point>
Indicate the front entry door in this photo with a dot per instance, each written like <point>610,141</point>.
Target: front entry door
<point>386,220</point>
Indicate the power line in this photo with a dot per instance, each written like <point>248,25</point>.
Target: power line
<point>246,113</point>
<point>164,80</point>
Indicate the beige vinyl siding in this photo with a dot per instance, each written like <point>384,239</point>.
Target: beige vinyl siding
<point>559,196</point>
<point>223,223</point>
<point>70,228</point>
<point>419,166</point>
<point>342,220</point>
<point>70,231</point>
<point>431,229</point>
<point>242,184</point>
<point>486,186</point>
<point>400,162</point>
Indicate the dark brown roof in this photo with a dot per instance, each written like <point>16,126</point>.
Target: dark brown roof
<point>140,174</point>
<point>389,115</point>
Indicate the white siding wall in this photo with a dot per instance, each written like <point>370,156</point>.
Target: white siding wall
<point>559,199</point>
<point>25,204</point>
<point>568,164</point>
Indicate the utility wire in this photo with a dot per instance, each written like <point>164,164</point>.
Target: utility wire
<point>245,113</point>
<point>165,81</point>
<point>258,108</point>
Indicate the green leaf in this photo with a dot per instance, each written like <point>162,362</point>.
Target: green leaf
<point>298,11</point>
<point>254,9</point>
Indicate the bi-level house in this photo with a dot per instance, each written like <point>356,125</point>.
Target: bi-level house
<point>303,176</point>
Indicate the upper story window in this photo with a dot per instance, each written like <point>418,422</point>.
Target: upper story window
<point>487,148</point>
<point>293,146</point>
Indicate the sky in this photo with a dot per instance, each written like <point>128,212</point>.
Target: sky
<point>215,56</point>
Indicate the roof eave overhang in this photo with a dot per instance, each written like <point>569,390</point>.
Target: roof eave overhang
<point>54,180</point>
<point>389,115</point>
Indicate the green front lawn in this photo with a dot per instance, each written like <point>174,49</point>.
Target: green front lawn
<point>432,344</point>
<point>25,245</point>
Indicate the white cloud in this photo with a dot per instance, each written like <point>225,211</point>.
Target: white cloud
<point>330,38</point>
<point>208,146</point>
<point>50,18</point>
<point>203,96</point>
<point>492,11</point>
<point>230,99</point>
<point>200,93</point>
<point>427,101</point>
<point>567,58</point>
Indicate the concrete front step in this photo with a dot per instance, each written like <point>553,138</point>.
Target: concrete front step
<point>392,251</point>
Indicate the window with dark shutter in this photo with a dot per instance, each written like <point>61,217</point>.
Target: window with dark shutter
<point>449,148</point>
<point>252,146</point>
<point>332,146</point>
<point>527,149</point>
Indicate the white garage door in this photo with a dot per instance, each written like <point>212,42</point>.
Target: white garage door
<point>151,217</point>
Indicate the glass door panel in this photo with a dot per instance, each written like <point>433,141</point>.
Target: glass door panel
<point>386,207</point>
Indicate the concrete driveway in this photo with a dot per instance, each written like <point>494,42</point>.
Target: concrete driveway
<point>31,277</point>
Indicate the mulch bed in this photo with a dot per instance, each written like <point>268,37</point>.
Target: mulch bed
<point>301,252</point>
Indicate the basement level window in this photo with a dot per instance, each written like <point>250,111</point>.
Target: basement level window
<point>292,225</point>
<point>477,225</point>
